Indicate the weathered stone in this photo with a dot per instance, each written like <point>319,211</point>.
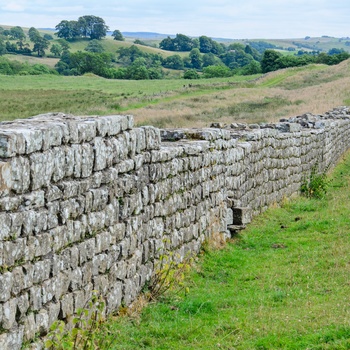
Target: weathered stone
<point>93,204</point>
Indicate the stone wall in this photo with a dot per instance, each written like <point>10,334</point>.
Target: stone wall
<point>91,203</point>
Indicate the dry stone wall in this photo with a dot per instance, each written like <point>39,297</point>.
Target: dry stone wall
<point>92,203</point>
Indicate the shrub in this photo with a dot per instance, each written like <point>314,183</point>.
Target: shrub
<point>315,186</point>
<point>191,74</point>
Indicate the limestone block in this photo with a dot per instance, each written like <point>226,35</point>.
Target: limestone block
<point>22,306</point>
<point>10,203</point>
<point>6,283</point>
<point>152,137</point>
<point>100,151</point>
<point>22,279</point>
<point>86,130</point>
<point>76,279</point>
<point>96,221</point>
<point>103,126</point>
<point>67,305</point>
<point>35,297</point>
<point>34,199</point>
<point>13,251</point>
<point>8,143</point>
<point>42,321</point>
<point>103,241</point>
<point>5,226</point>
<point>114,297</point>
<point>195,147</point>
<point>59,156</point>
<point>99,264</point>
<point>9,313</point>
<point>125,166</point>
<point>41,169</point>
<point>41,271</point>
<point>87,270</point>
<point>101,284</point>
<point>79,300</point>
<point>54,310</point>
<point>29,327</point>
<point>12,340</point>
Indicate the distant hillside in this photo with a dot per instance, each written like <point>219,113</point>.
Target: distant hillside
<point>147,35</point>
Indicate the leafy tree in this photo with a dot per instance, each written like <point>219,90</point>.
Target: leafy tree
<point>205,44</point>
<point>11,47</point>
<point>253,67</point>
<point>33,34</point>
<point>6,33</point>
<point>180,43</point>
<point>209,59</point>
<point>270,61</point>
<point>5,67</point>
<point>335,51</point>
<point>167,44</point>
<point>94,46</point>
<point>67,29</point>
<point>117,35</point>
<point>236,58</point>
<point>196,58</point>
<point>217,48</point>
<point>92,26</point>
<point>174,62</point>
<point>183,43</point>
<point>64,44</point>
<point>56,50</point>
<point>86,62</point>
<point>253,52</point>
<point>23,47</point>
<point>140,42</point>
<point>155,73</point>
<point>2,48</point>
<point>40,45</point>
<point>48,37</point>
<point>17,33</point>
<point>138,70</point>
<point>129,54</point>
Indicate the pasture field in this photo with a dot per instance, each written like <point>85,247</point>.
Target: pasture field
<point>179,102</point>
<point>283,283</point>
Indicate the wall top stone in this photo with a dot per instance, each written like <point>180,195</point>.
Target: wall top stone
<point>39,133</point>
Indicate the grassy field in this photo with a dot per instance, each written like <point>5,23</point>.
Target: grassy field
<point>179,102</point>
<point>282,284</point>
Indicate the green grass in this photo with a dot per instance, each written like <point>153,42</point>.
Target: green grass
<point>25,96</point>
<point>283,284</point>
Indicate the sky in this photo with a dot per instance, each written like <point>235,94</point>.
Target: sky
<point>235,19</point>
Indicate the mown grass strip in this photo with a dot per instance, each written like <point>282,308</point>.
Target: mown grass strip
<point>283,284</point>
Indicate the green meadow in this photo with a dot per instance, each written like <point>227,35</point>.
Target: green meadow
<point>178,102</point>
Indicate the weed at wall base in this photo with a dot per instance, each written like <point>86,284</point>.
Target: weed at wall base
<point>315,186</point>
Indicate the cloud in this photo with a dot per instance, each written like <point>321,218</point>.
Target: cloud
<point>14,6</point>
<point>216,18</point>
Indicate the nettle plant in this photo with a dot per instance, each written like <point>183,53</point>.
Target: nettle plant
<point>315,185</point>
<point>90,330</point>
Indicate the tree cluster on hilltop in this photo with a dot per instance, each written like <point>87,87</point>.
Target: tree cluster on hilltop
<point>92,27</point>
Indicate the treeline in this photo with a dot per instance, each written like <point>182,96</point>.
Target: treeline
<point>206,57</point>
<point>137,64</point>
<point>274,60</point>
